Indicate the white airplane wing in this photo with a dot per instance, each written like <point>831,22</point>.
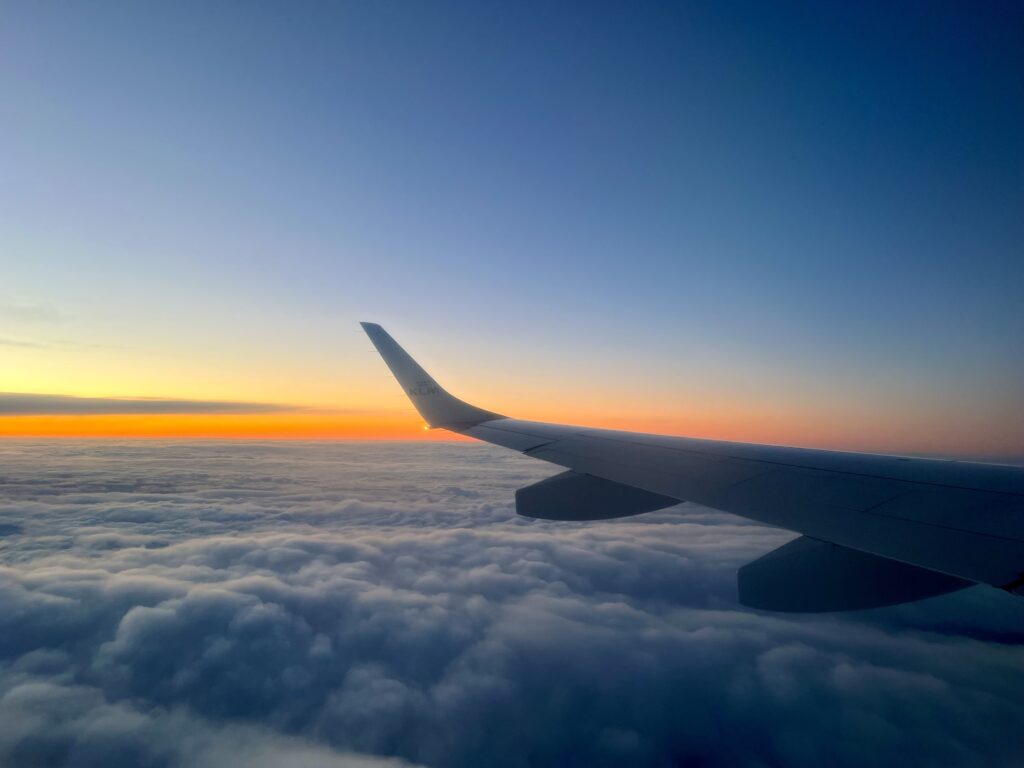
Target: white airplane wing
<point>877,530</point>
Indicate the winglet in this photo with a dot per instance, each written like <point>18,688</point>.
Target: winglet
<point>439,408</point>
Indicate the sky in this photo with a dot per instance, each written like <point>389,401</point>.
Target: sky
<point>794,223</point>
<point>214,604</point>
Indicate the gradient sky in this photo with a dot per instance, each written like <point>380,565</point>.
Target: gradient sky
<point>798,223</point>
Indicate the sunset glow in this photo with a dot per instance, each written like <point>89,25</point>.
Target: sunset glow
<point>922,432</point>
<point>306,426</point>
<point>661,239</point>
<point>500,384</point>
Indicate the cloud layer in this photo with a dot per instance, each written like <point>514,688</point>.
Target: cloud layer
<point>343,604</point>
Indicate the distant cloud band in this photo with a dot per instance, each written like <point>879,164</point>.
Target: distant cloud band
<point>20,343</point>
<point>24,404</point>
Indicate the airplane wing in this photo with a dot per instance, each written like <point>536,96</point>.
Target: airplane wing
<point>876,530</point>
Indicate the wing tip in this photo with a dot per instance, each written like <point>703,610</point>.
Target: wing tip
<point>435,404</point>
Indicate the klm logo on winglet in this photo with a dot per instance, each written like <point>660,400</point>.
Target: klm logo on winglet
<point>423,387</point>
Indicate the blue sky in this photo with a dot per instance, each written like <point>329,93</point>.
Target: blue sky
<point>818,202</point>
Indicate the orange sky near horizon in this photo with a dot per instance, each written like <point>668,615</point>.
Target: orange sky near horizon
<point>807,427</point>
<point>255,426</point>
<point>350,395</point>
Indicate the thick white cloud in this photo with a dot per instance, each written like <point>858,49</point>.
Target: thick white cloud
<point>302,604</point>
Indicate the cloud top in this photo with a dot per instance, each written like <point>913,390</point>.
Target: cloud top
<point>339,604</point>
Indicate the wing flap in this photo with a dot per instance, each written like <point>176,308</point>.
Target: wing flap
<point>811,576</point>
<point>572,496</point>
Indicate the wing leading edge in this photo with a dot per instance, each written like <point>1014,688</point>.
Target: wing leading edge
<point>878,530</point>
